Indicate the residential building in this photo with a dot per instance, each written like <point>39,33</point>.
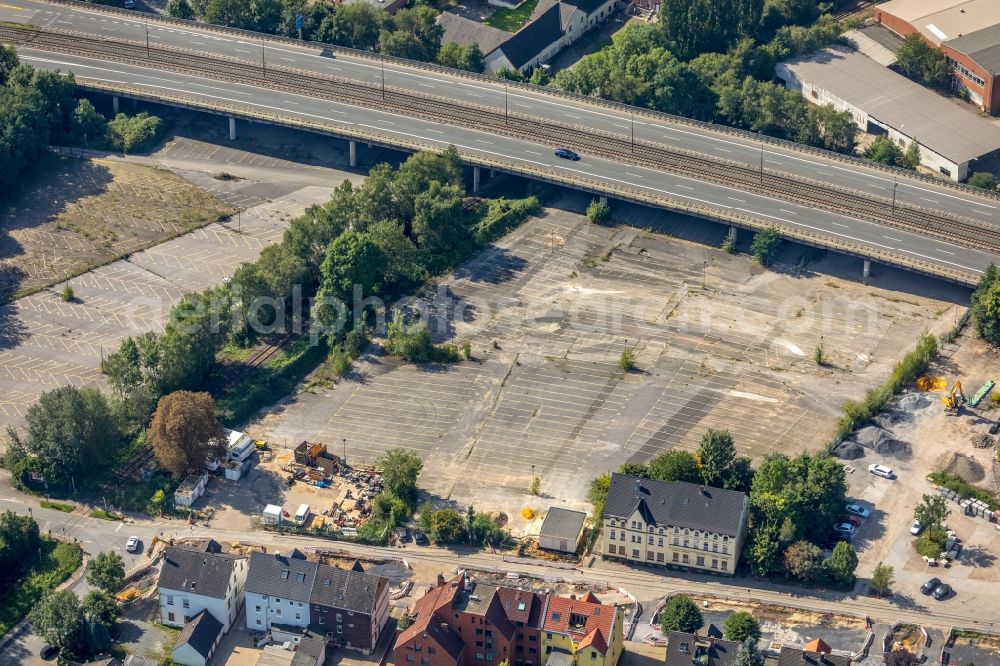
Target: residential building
<point>197,641</point>
<point>966,31</point>
<point>464,623</point>
<point>687,649</point>
<point>289,594</point>
<point>676,524</point>
<point>951,138</point>
<point>193,580</point>
<point>460,30</point>
<point>814,653</point>
<point>561,530</point>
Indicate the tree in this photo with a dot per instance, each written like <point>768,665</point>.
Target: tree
<point>71,434</point>
<point>134,134</point>
<point>675,465</point>
<point>884,151</point>
<point>882,578</point>
<point>983,180</point>
<point>931,512</point>
<point>184,432</point>
<point>20,546</point>
<point>741,626</point>
<point>911,158</point>
<point>400,469</point>
<point>411,342</point>
<point>181,9</point>
<point>902,657</point>
<point>803,560</point>
<point>716,454</point>
<point>808,490</point>
<point>766,245</point>
<point>747,654</point>
<point>626,360</point>
<point>764,549</point>
<point>692,27</point>
<point>986,305</point>
<point>681,614</point>
<point>157,503</point>
<point>354,25</point>
<point>922,62</point>
<point>468,57</point>
<point>8,61</point>
<point>100,606</point>
<point>447,526</point>
<point>54,616</point>
<point>439,223</point>
<point>106,571</point>
<point>352,259</point>
<point>843,562</point>
<point>89,126</point>
<point>598,211</point>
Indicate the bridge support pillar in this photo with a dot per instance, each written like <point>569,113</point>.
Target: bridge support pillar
<point>475,180</point>
<point>604,201</point>
<point>232,128</point>
<point>733,232</point>
<point>866,271</point>
<point>353,150</point>
<point>115,103</point>
<point>492,173</point>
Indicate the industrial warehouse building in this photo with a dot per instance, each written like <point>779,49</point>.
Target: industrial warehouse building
<point>951,138</point>
<point>966,31</point>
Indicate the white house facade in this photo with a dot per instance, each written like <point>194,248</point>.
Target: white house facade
<point>192,581</point>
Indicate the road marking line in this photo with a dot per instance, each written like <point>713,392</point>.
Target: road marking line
<point>686,187</point>
<point>740,200</point>
<point>484,141</point>
<point>634,175</point>
<point>931,200</point>
<point>570,115</point>
<point>427,85</point>
<point>895,240</point>
<point>841,225</point>
<point>527,151</point>
<point>784,210</point>
<point>945,251</point>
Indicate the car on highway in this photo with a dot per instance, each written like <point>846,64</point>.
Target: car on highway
<point>916,528</point>
<point>567,154</point>
<point>48,651</point>
<point>420,538</point>
<point>844,528</point>
<point>857,510</point>
<point>881,470</point>
<point>930,586</point>
<point>942,591</point>
<point>129,4</point>
<point>132,544</point>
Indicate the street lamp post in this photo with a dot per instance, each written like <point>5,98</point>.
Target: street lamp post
<point>345,450</point>
<point>382,62</point>
<point>147,39</point>
<point>263,63</point>
<point>895,182</point>
<point>633,133</point>
<point>761,163</point>
<point>505,105</point>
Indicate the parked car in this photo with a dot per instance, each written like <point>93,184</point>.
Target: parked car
<point>48,651</point>
<point>420,538</point>
<point>567,154</point>
<point>403,535</point>
<point>853,520</point>
<point>857,510</point>
<point>942,591</point>
<point>930,586</point>
<point>916,528</point>
<point>881,470</point>
<point>132,544</point>
<point>995,428</point>
<point>844,528</point>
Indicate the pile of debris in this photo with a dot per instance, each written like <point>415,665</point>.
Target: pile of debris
<point>983,441</point>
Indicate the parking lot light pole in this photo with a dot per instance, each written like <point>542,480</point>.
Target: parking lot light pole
<point>345,450</point>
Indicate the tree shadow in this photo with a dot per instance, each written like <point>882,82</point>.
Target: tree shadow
<point>977,556</point>
<point>12,329</point>
<point>494,265</point>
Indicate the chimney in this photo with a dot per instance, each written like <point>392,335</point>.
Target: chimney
<point>638,487</point>
<point>440,579</point>
<point>704,491</point>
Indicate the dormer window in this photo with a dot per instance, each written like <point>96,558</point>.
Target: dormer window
<point>284,574</point>
<point>300,576</point>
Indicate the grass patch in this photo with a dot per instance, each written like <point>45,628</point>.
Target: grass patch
<point>58,561</point>
<point>931,543</point>
<point>965,489</point>
<point>511,20</point>
<point>58,506</point>
<point>135,496</point>
<point>104,515</point>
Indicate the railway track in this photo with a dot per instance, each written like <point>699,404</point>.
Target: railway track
<point>740,175</point>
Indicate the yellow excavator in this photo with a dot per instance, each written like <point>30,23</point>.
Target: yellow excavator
<point>954,399</point>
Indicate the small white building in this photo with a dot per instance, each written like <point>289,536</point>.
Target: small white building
<point>561,530</point>
<point>271,515</point>
<point>240,447</point>
<point>197,641</point>
<point>190,490</point>
<point>194,580</point>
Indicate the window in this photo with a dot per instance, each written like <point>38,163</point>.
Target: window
<point>430,650</point>
<point>276,600</point>
<point>612,534</point>
<point>593,655</point>
<point>685,558</point>
<point>700,561</point>
<point>170,600</point>
<point>170,617</point>
<point>425,661</point>
<point>409,657</point>
<point>548,637</point>
<point>417,647</point>
<point>479,656</point>
<point>704,546</point>
<point>322,619</point>
<point>532,638</point>
<point>621,535</point>
<point>715,563</point>
<point>187,603</point>
<point>649,555</point>
<point>673,557</point>
<point>479,644</point>
<point>635,552</point>
<point>298,616</point>
<point>277,611</point>
<point>650,529</point>
<point>284,574</point>
<point>650,541</point>
<point>687,543</point>
<point>340,629</point>
<point>291,603</point>
<point>659,542</point>
<point>677,541</point>
<point>479,632</point>
<point>258,623</point>
<point>532,650</point>
<point>725,565</point>
<point>256,608</point>
<point>659,557</point>
<point>725,549</point>
<point>340,617</point>
<point>633,524</point>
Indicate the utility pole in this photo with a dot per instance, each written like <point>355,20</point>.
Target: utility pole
<point>895,182</point>
<point>263,64</point>
<point>633,132</point>
<point>345,450</point>
<point>761,163</point>
<point>382,62</point>
<point>505,93</point>
<point>147,39</point>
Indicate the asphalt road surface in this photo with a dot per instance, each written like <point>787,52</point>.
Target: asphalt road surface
<point>683,188</point>
<point>495,94</point>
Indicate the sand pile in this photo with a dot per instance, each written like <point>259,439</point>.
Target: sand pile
<point>966,468</point>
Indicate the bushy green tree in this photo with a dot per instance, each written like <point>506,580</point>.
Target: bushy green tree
<point>468,57</point>
<point>400,469</point>
<point>931,512</point>
<point>89,126</point>
<point>181,9</point>
<point>843,562</point>
<point>986,306</point>
<point>598,211</point>
<point>106,571</point>
<point>447,526</point>
<point>884,151</point>
<point>922,62</point>
<point>882,578</point>
<point>681,614</point>
<point>803,560</point>
<point>983,180</point>
<point>675,465</point>
<point>741,626</point>
<point>134,134</point>
<point>20,545</point>
<point>692,27</point>
<point>766,246</point>
<point>184,433</point>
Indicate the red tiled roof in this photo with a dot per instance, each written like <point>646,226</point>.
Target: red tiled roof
<point>512,600</point>
<point>596,639</point>
<point>596,616</point>
<point>817,645</point>
<point>426,622</point>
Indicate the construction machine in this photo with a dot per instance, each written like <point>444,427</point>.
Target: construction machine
<point>954,399</point>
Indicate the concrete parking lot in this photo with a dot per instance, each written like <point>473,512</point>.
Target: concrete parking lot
<point>719,343</point>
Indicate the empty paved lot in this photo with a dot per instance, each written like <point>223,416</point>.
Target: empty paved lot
<point>719,343</point>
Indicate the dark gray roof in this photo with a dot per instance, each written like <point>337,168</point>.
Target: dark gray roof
<point>200,633</point>
<point>675,504</point>
<point>795,657</point>
<point>566,11</point>
<point>685,649</point>
<point>281,576</point>
<point>588,7</point>
<point>464,31</point>
<point>347,590</point>
<point>563,524</point>
<point>983,46</point>
<point>198,572</point>
<point>534,37</point>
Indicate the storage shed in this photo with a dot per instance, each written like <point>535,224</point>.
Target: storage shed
<point>561,530</point>
<point>271,515</point>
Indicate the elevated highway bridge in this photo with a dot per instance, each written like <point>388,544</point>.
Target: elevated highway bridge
<point>735,178</point>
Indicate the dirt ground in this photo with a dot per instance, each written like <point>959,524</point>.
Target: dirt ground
<point>719,342</point>
<point>86,212</point>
